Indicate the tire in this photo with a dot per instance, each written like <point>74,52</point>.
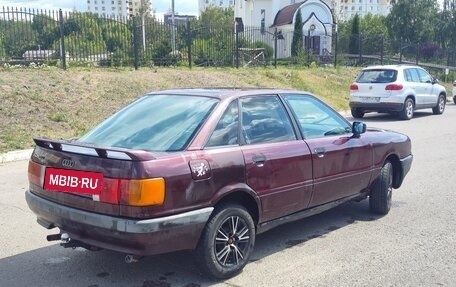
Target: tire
<point>454,100</point>
<point>357,113</point>
<point>438,110</point>
<point>381,194</point>
<point>227,241</point>
<point>408,111</point>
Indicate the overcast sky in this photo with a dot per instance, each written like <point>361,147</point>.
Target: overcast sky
<point>161,6</point>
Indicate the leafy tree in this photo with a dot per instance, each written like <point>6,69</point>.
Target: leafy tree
<point>297,42</point>
<point>213,36</point>
<point>85,37</point>
<point>47,29</point>
<point>412,21</point>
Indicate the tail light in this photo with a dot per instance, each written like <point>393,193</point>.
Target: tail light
<point>142,192</point>
<point>353,87</point>
<point>394,87</point>
<point>133,192</point>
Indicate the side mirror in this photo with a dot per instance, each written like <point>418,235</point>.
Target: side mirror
<point>358,128</point>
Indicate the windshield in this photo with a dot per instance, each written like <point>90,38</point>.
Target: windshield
<point>153,123</point>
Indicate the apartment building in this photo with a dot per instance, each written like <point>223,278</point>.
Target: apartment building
<point>345,9</point>
<point>114,8</point>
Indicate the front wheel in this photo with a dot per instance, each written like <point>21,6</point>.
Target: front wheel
<point>408,110</point>
<point>382,191</point>
<point>227,241</point>
<point>438,110</point>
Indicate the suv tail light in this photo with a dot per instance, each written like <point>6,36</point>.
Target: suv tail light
<point>394,87</point>
<point>353,87</point>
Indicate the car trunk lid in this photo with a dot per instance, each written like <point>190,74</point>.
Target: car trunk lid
<point>82,176</point>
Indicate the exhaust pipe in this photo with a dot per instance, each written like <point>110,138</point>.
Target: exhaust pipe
<point>132,258</point>
<point>53,237</point>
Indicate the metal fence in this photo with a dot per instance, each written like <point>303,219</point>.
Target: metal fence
<point>69,39</point>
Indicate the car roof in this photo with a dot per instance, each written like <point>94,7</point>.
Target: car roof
<point>222,93</point>
<point>394,67</point>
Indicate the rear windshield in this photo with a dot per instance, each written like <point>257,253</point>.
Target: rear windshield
<point>153,123</point>
<point>377,76</point>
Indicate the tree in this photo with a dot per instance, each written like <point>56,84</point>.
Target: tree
<point>353,46</point>
<point>297,42</point>
<point>412,21</point>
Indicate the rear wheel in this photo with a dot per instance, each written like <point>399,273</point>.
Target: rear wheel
<point>382,191</point>
<point>357,113</point>
<point>227,241</point>
<point>408,110</point>
<point>438,110</point>
<point>454,100</point>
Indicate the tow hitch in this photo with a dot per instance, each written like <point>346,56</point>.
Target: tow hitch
<point>67,242</point>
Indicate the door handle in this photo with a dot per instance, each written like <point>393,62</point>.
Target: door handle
<point>259,159</point>
<point>320,151</point>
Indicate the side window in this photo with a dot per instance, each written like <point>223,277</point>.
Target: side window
<point>265,120</point>
<point>227,130</point>
<point>408,75</point>
<point>414,75</point>
<point>315,118</point>
<point>424,76</point>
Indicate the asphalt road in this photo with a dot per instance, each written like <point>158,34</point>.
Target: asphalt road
<point>414,245</point>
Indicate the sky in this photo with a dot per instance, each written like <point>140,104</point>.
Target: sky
<point>183,7</point>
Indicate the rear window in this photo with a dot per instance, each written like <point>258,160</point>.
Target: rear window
<point>154,123</point>
<point>377,76</point>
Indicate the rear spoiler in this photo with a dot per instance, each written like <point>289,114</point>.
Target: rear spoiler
<point>91,150</point>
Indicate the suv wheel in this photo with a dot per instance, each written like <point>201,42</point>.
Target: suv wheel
<point>227,241</point>
<point>438,110</point>
<point>382,191</point>
<point>454,100</point>
<point>357,113</point>
<point>408,111</point>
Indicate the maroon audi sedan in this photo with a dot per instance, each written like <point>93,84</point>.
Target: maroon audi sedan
<point>207,170</point>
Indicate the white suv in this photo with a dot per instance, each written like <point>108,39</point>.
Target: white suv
<point>399,89</point>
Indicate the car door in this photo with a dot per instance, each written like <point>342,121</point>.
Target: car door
<point>278,165</point>
<point>428,90</point>
<point>341,163</point>
<point>413,82</point>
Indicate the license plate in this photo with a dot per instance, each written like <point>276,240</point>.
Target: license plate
<point>370,99</point>
<point>74,181</point>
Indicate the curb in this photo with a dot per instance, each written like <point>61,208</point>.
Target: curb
<point>15,155</point>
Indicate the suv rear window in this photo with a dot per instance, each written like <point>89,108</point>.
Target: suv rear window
<point>154,123</point>
<point>377,76</point>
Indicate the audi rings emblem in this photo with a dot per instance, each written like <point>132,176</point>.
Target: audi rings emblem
<point>67,163</point>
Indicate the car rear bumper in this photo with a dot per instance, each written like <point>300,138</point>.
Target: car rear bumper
<point>378,107</point>
<point>138,237</point>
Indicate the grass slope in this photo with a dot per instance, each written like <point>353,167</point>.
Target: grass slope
<point>54,103</point>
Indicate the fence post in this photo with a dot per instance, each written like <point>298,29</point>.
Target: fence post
<point>382,51</point>
<point>400,51</point>
<point>335,51</point>
<point>189,44</point>
<point>359,48</point>
<point>62,41</point>
<point>418,46</point>
<point>135,43</point>
<point>236,39</point>
<point>275,47</point>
